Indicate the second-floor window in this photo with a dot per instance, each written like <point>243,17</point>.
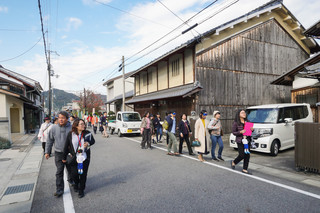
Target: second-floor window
<point>175,67</point>
<point>145,79</point>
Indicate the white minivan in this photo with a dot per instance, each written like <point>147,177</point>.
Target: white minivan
<point>274,125</point>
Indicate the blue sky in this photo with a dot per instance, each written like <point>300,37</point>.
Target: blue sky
<point>91,38</point>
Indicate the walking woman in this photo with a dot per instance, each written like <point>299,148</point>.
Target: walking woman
<point>238,130</point>
<point>158,127</point>
<point>44,131</point>
<point>185,132</point>
<point>215,129</point>
<point>77,146</point>
<point>146,128</point>
<point>202,135</point>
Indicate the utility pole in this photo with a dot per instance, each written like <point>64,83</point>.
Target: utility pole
<point>124,87</point>
<point>49,91</point>
<point>52,95</point>
<point>121,67</point>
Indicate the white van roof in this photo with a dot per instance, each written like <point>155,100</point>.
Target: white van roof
<point>269,106</point>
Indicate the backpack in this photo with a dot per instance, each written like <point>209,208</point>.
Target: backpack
<point>165,125</point>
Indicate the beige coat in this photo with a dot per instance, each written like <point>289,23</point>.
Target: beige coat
<point>199,131</point>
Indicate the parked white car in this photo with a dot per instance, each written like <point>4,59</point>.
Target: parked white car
<point>274,126</point>
<point>126,123</point>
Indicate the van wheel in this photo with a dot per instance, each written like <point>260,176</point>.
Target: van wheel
<point>275,146</point>
<point>119,133</point>
<point>112,131</point>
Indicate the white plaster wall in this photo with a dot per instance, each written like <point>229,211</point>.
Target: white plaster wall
<point>303,82</point>
<point>17,104</point>
<point>118,86</point>
<point>3,106</point>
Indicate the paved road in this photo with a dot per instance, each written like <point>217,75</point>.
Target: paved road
<point>124,178</point>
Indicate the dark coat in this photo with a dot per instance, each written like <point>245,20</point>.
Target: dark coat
<point>182,127</point>
<point>170,122</point>
<point>156,123</point>
<point>236,128</point>
<point>68,148</point>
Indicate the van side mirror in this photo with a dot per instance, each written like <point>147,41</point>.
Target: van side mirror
<point>288,120</point>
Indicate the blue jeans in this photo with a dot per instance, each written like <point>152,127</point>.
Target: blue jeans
<point>215,140</point>
<point>159,132</point>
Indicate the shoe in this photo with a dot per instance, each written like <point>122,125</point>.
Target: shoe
<point>191,154</point>
<point>71,182</point>
<point>81,194</point>
<point>58,193</point>
<point>247,172</point>
<point>221,158</point>
<point>143,147</point>
<point>215,159</point>
<point>232,166</point>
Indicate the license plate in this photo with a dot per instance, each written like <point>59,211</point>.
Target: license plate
<point>129,130</point>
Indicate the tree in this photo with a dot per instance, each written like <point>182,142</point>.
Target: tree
<point>89,100</point>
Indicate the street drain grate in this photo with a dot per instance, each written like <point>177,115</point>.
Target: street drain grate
<point>19,188</point>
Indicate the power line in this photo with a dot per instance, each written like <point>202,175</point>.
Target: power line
<point>23,52</point>
<point>114,71</point>
<point>123,11</point>
<point>184,22</point>
<point>181,25</point>
<point>174,14</point>
<point>206,19</point>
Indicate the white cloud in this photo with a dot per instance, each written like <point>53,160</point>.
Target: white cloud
<point>73,23</point>
<point>3,9</point>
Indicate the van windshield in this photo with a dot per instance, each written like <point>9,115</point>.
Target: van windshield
<point>131,117</point>
<point>262,115</point>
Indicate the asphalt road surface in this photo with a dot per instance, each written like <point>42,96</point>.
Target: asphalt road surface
<point>124,178</point>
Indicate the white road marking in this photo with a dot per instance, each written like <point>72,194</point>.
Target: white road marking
<point>249,176</point>
<point>67,199</point>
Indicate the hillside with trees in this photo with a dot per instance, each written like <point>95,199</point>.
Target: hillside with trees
<point>60,98</point>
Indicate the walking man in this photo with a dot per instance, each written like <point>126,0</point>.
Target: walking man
<point>171,119</point>
<point>104,124</point>
<point>57,135</point>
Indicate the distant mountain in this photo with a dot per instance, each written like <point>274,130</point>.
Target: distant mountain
<point>60,98</point>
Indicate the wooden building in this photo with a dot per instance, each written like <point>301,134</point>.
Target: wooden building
<point>305,78</point>
<point>228,68</point>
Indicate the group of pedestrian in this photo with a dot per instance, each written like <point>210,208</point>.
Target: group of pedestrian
<point>207,133</point>
<point>71,143</point>
<point>97,122</point>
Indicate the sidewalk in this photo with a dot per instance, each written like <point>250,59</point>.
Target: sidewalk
<point>19,168</point>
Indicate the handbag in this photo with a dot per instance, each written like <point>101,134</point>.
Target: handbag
<point>71,160</point>
<point>196,143</point>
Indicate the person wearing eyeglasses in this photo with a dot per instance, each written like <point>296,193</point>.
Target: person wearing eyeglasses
<point>202,135</point>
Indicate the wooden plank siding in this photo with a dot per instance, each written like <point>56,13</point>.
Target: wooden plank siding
<point>237,73</point>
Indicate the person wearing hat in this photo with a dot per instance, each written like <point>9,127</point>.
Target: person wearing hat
<point>43,132</point>
<point>215,129</point>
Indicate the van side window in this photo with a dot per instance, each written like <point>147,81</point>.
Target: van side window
<point>119,117</point>
<point>281,116</point>
<point>296,113</point>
